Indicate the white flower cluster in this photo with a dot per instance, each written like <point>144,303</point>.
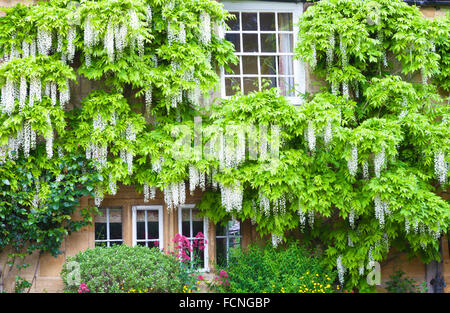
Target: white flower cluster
<point>205,28</point>
<point>424,76</point>
<point>381,209</point>
<point>98,153</point>
<point>328,134</point>
<point>35,91</point>
<point>98,196</point>
<point>149,192</point>
<point>341,269</point>
<point>351,217</point>
<point>379,162</point>
<point>314,56</point>
<point>330,50</point>
<point>264,204</point>
<point>302,216</point>
<point>130,136</point>
<point>112,185</point>
<point>148,99</point>
<point>149,14</point>
<point>334,88</point>
<point>71,34</point>
<point>345,90</point>
<point>349,241</point>
<point>352,163</point>
<point>365,169</point>
<point>311,137</point>
<point>175,195</point>
<point>108,41</point>
<point>276,240</point>
<point>440,167</point>
<point>49,140</point>
<point>64,94</point>
<point>231,197</point>
<point>8,96</point>
<point>407,225</point>
<point>44,41</point>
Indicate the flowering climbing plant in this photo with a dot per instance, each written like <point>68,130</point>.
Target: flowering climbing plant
<point>363,163</point>
<point>145,63</point>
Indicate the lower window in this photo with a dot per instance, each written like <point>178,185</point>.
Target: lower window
<point>227,236</point>
<point>195,229</point>
<point>108,227</point>
<point>147,226</point>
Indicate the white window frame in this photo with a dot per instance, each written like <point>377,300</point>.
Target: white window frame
<point>273,7</point>
<point>108,240</point>
<point>158,208</point>
<point>227,238</point>
<point>205,233</point>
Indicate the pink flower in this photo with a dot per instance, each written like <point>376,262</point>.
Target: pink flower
<point>223,273</point>
<point>200,277</point>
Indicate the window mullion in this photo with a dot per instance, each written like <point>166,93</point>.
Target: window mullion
<point>146,228</point>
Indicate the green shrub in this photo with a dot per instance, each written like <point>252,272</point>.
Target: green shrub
<point>125,269</point>
<point>399,283</point>
<point>291,269</point>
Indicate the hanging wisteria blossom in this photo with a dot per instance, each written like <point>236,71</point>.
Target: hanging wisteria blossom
<point>328,134</point>
<point>232,197</point>
<point>365,169</point>
<point>311,135</point>
<point>341,269</point>
<point>379,162</point>
<point>109,41</point>
<point>440,167</point>
<point>276,240</point>
<point>352,163</point>
<point>330,49</point>
<point>205,28</point>
<point>302,216</point>
<point>44,41</point>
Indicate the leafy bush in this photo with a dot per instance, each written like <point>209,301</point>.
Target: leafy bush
<point>399,283</point>
<point>122,268</point>
<point>291,269</point>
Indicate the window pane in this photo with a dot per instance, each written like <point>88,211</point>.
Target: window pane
<point>101,244</point>
<point>101,216</point>
<point>267,21</point>
<point>250,65</point>
<point>236,69</point>
<point>234,23</point>
<point>286,43</point>
<point>220,230</point>
<point>186,229</point>
<point>141,244</point>
<point>250,42</point>
<point>250,84</point>
<point>268,82</point>
<point>285,65</point>
<point>199,257</point>
<point>153,230</point>
<point>287,86</point>
<point>153,244</point>
<point>221,252</point>
<point>285,21</point>
<point>232,84</point>
<point>115,224</point>
<point>268,43</point>
<point>249,21</point>
<point>115,243</point>
<point>236,40</point>
<point>268,66</point>
<point>234,228</point>
<point>100,231</point>
<point>140,230</point>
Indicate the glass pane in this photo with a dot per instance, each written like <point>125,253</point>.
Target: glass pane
<point>285,65</point>
<point>250,42</point>
<point>197,228</point>
<point>268,82</point>
<point>232,84</point>
<point>100,231</point>
<point>234,242</point>
<point>285,43</point>
<point>235,68</point>
<point>234,228</point>
<point>234,23</point>
<point>140,230</point>
<point>221,250</point>
<point>249,21</point>
<point>141,244</point>
<point>220,230</point>
<point>153,244</point>
<point>115,223</point>
<point>285,21</point>
<point>268,66</point>
<point>236,40</point>
<point>186,229</point>
<point>153,230</point>
<point>196,216</point>
<point>152,216</point>
<point>267,21</point>
<point>268,43</point>
<point>115,230</point>
<point>115,243</point>
<point>250,84</point>
<point>101,244</point>
<point>101,216</point>
<point>287,86</point>
<point>250,65</point>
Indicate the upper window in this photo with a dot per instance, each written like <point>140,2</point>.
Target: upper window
<point>264,36</point>
<point>108,227</point>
